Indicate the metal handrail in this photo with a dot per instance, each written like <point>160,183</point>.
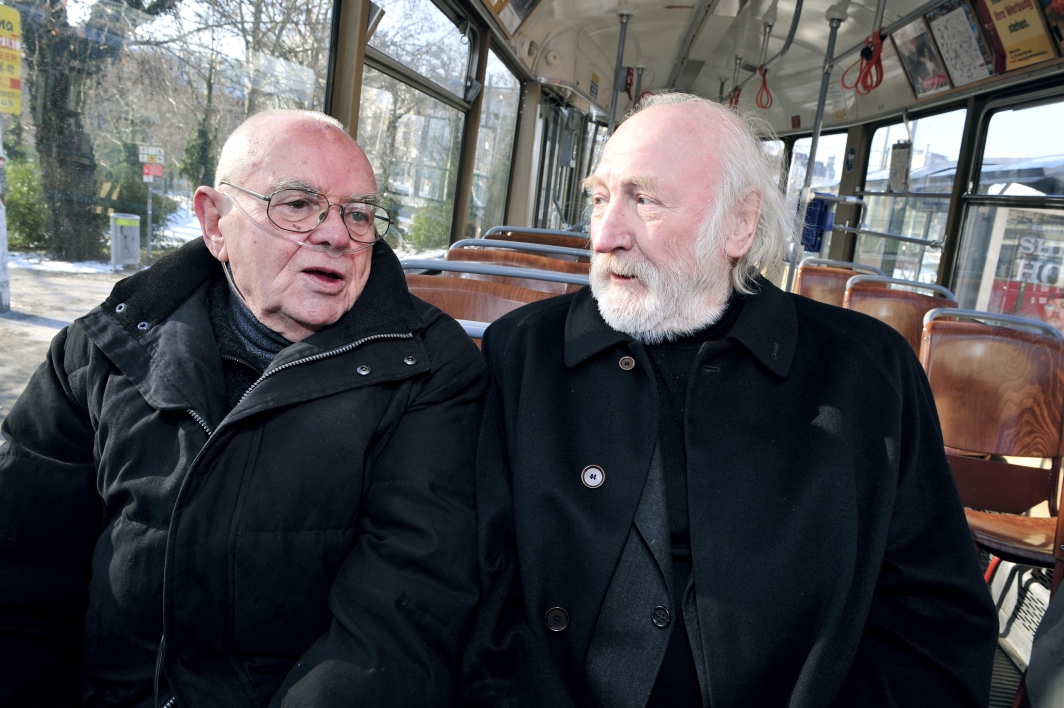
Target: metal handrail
<point>520,245</point>
<point>871,270</point>
<point>944,292</point>
<point>896,237</point>
<point>887,30</point>
<point>786,46</point>
<point>532,230</point>
<point>917,195</point>
<point>492,269</point>
<point>979,316</point>
<point>473,328</point>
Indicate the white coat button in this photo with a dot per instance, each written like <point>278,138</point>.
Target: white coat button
<point>592,476</point>
<point>364,370</point>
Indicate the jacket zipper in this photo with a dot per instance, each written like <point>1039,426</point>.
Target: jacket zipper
<point>199,419</point>
<point>323,355</point>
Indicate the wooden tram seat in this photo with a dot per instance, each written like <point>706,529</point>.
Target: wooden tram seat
<point>825,281</point>
<point>1000,391</point>
<point>474,300</point>
<point>519,260</point>
<point>544,236</point>
<point>903,310</point>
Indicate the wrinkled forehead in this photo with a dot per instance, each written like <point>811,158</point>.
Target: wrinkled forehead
<point>676,147</point>
<point>312,157</point>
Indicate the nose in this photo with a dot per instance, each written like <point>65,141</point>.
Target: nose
<point>611,230</point>
<point>331,230</point>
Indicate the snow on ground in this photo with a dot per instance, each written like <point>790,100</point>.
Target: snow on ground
<point>36,261</point>
<point>183,225</point>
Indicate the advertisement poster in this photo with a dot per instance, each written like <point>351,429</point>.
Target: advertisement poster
<point>512,13</point>
<point>920,58</point>
<point>1020,30</point>
<point>964,51</point>
<point>10,61</point>
<point>1032,285</point>
<point>1054,12</point>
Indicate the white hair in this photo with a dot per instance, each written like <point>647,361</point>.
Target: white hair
<point>240,150</point>
<point>743,163</point>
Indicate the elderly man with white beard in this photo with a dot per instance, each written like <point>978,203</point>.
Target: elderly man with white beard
<point>695,489</point>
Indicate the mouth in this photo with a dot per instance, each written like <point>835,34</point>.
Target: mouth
<point>622,278</point>
<point>325,276</point>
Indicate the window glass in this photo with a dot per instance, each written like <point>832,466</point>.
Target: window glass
<point>1012,254</point>
<point>495,142</point>
<point>412,140</point>
<point>1024,152</point>
<point>827,169</point>
<point>936,147</point>
<point>774,148</point>
<point>99,81</point>
<point>415,33</point>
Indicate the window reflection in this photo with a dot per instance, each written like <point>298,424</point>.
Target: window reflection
<point>100,80</point>
<point>412,140</point>
<point>416,34</point>
<point>495,142</point>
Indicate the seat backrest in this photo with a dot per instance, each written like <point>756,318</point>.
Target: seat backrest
<point>518,260</point>
<point>574,241</point>
<point>822,283</point>
<point>999,391</point>
<point>903,310</point>
<point>476,300</point>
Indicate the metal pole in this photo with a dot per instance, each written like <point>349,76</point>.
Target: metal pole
<point>877,23</point>
<point>835,15</point>
<point>5,283</point>
<point>618,69</point>
<point>638,85</point>
<point>723,83</point>
<point>149,219</point>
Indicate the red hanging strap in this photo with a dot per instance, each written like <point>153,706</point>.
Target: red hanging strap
<point>764,96</point>
<point>870,69</point>
<point>733,98</point>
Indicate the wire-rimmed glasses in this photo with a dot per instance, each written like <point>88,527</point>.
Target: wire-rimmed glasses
<point>303,210</point>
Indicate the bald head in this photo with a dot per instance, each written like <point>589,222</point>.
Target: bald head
<point>251,145</point>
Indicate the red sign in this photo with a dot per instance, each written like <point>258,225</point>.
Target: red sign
<point>796,121</point>
<point>153,170</point>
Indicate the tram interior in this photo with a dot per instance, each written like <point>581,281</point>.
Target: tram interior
<point>930,169</point>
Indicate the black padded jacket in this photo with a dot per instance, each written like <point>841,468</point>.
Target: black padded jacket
<point>313,547</point>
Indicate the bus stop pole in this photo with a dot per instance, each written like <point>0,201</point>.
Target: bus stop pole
<point>836,14</point>
<point>5,282</point>
<point>149,220</point>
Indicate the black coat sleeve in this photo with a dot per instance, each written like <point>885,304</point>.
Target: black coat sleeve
<point>50,519</point>
<point>932,628</point>
<point>505,663</point>
<point>404,597</point>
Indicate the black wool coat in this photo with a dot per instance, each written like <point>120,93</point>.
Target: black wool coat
<point>313,547</point>
<point>831,559</point>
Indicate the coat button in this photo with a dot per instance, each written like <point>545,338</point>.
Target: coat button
<point>409,360</point>
<point>592,476</point>
<point>557,619</point>
<point>121,308</point>
<point>627,363</point>
<point>143,326</point>
<point>364,370</point>
<point>660,617</point>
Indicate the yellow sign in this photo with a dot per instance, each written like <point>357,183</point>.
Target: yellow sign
<point>1022,32</point>
<point>10,61</point>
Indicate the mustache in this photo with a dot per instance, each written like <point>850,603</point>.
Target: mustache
<point>624,265</point>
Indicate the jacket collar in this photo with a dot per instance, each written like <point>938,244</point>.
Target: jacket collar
<point>767,328</point>
<point>150,296</point>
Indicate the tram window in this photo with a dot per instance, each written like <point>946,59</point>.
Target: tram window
<point>412,140</point>
<point>180,79</point>
<point>827,169</point>
<point>418,35</point>
<point>776,151</point>
<point>921,212</point>
<point>1012,249</point>
<point>495,142</point>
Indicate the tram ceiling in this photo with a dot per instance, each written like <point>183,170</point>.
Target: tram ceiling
<point>574,42</point>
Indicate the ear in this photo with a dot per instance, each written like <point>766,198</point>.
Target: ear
<point>210,206</point>
<point>745,215</point>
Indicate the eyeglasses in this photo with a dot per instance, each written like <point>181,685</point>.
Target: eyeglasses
<point>303,210</point>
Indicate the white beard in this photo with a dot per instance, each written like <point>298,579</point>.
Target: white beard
<point>687,293</point>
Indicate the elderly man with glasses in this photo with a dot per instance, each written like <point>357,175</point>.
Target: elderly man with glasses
<point>246,479</point>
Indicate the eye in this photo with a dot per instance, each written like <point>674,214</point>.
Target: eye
<point>644,200</point>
